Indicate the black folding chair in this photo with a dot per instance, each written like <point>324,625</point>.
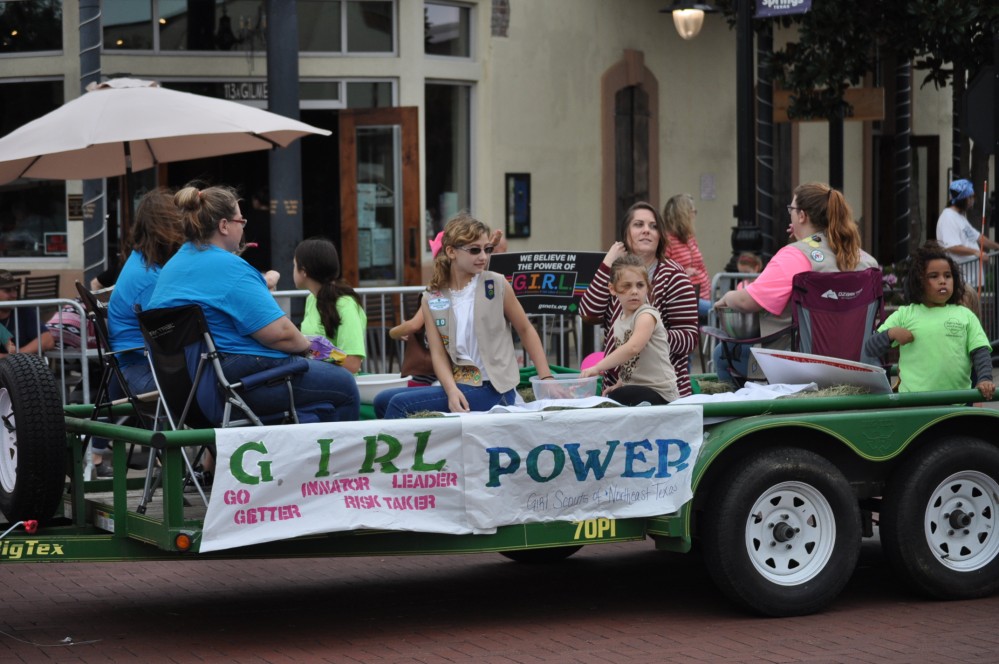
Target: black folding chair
<point>190,378</point>
<point>146,408</point>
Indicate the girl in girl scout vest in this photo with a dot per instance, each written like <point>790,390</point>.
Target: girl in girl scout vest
<point>468,312</point>
<point>824,237</point>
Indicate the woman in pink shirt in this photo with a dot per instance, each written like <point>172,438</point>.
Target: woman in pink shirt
<point>679,214</point>
<point>825,239</point>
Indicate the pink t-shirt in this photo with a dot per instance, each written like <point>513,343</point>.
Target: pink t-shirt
<point>772,289</point>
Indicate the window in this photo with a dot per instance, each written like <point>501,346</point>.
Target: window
<point>446,30</point>
<point>231,25</point>
<point>369,27</point>
<point>448,161</point>
<point>320,26</point>
<point>369,94</point>
<point>127,25</point>
<point>324,26</point>
<point>30,25</point>
<point>32,213</point>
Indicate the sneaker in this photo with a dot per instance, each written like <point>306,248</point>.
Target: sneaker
<point>103,469</point>
<point>203,477</point>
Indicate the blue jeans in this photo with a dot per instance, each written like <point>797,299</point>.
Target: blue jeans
<point>703,308</point>
<point>324,384</point>
<point>403,401</point>
<point>738,359</point>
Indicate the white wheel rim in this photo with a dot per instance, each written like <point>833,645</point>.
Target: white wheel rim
<point>960,521</point>
<point>790,533</point>
<point>8,443</point>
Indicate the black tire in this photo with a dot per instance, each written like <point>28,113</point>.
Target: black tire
<point>541,556</point>
<point>781,532</point>
<point>939,519</point>
<point>32,439</point>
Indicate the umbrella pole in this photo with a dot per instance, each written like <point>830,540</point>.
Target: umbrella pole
<point>125,222</point>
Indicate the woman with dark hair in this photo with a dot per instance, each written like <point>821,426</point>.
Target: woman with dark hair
<point>642,232</point>
<point>251,331</point>
<point>156,235</point>
<point>332,309</point>
<point>826,240</point>
<point>939,340</point>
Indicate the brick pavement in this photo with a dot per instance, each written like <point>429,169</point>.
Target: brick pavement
<point>611,603</point>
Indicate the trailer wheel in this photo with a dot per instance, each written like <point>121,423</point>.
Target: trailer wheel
<point>781,532</point>
<point>32,439</point>
<point>939,519</point>
<point>552,554</point>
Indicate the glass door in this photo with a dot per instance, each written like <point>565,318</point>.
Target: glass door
<point>379,196</point>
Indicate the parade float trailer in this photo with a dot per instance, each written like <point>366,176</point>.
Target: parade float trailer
<point>777,496</point>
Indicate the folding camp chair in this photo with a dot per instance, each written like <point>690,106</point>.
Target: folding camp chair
<point>832,314</point>
<point>143,405</point>
<point>190,377</point>
<point>192,384</point>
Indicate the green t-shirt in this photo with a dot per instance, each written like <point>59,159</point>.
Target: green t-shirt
<point>939,357</point>
<point>353,323</point>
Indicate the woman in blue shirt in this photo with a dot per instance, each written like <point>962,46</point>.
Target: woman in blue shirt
<point>251,331</point>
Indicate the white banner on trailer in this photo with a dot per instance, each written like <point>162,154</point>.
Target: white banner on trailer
<point>450,475</point>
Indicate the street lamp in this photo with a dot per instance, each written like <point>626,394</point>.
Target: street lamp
<point>688,16</point>
<point>746,235</point>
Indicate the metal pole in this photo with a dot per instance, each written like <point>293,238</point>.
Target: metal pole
<point>746,235</point>
<point>836,149</point>
<point>765,140</point>
<point>285,163</point>
<point>95,246</point>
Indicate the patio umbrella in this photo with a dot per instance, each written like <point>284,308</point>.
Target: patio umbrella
<point>126,125</point>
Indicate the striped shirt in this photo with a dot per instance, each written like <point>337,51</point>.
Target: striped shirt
<point>672,294</point>
<point>688,255</point>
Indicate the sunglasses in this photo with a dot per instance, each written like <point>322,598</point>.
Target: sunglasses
<point>475,251</point>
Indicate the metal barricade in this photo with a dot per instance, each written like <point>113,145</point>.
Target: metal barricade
<point>562,336</point>
<point>388,306</point>
<point>63,359</point>
<point>988,277</point>
<point>721,283</point>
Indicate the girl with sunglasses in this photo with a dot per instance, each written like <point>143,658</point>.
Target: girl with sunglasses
<point>469,312</point>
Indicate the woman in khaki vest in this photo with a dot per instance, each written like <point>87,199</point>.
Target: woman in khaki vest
<point>825,238</point>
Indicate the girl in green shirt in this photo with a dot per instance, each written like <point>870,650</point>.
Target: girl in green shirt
<point>332,309</point>
<point>939,340</point>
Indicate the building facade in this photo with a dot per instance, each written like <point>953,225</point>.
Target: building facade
<point>545,118</point>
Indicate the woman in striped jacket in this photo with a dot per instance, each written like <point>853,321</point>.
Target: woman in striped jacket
<point>643,233</point>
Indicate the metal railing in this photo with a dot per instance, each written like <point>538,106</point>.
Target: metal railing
<point>388,306</point>
<point>562,336</point>
<point>987,312</point>
<point>71,365</point>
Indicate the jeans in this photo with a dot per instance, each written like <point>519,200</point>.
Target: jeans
<point>737,358</point>
<point>403,401</point>
<point>323,384</point>
<point>703,308</point>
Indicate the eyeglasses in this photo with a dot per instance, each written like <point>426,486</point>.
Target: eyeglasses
<point>791,207</point>
<point>240,220</point>
<point>475,251</point>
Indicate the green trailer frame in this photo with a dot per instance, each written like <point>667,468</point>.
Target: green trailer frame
<point>854,461</point>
